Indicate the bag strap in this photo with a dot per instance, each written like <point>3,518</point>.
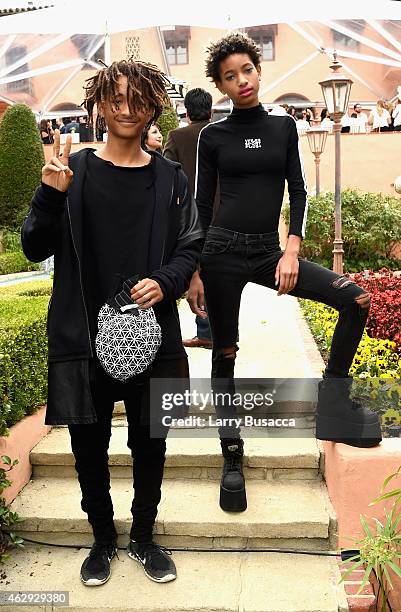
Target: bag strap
<point>122,299</point>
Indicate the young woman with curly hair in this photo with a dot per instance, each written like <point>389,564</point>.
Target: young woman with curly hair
<point>253,154</point>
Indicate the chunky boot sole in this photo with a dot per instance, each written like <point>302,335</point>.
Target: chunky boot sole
<point>233,501</point>
<point>334,429</point>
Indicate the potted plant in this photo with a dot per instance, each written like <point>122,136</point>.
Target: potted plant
<point>380,548</point>
<point>8,519</point>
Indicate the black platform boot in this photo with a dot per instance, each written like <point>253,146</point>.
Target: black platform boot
<point>232,486</point>
<point>341,419</point>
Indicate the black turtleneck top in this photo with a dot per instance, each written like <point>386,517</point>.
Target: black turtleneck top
<point>252,153</point>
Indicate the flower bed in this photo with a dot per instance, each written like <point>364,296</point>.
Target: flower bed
<point>385,311</point>
<point>376,368</point>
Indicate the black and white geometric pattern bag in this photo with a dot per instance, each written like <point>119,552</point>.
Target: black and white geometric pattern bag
<point>128,337</point>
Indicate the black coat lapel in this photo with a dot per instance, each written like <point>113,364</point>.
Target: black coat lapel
<point>75,197</point>
<point>164,186</point>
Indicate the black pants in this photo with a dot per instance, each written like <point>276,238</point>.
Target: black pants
<point>90,443</point>
<point>231,259</point>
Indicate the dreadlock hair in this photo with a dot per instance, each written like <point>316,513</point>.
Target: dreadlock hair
<point>233,43</point>
<point>146,89</point>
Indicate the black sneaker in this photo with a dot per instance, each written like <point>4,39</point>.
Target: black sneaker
<point>95,570</point>
<point>232,486</point>
<point>155,560</point>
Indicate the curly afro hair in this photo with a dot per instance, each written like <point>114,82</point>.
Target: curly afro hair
<point>233,43</point>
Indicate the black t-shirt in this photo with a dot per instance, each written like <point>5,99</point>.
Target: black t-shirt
<point>117,221</point>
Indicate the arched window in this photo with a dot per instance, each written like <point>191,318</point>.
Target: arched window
<point>292,99</point>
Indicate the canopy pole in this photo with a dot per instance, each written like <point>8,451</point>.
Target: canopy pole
<point>362,39</point>
<point>290,72</point>
<point>9,41</point>
<point>107,46</point>
<point>162,44</point>
<point>59,89</point>
<point>383,32</point>
<point>36,72</point>
<point>361,80</point>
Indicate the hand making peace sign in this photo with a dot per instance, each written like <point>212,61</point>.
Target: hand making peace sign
<point>56,172</point>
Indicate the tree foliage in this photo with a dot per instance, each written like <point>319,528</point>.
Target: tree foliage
<point>371,230</point>
<point>168,121</point>
<point>21,160</point>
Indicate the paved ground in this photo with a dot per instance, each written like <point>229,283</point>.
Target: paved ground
<point>274,339</point>
<point>22,277</point>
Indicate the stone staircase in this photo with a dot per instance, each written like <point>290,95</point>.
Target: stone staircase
<point>288,510</point>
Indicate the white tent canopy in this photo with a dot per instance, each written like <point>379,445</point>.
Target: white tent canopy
<point>94,17</point>
<point>62,41</point>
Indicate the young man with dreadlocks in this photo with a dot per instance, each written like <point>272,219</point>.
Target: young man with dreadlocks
<point>114,211</point>
<point>252,154</point>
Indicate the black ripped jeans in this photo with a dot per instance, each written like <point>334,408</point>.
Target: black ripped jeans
<point>231,259</point>
<point>90,443</point>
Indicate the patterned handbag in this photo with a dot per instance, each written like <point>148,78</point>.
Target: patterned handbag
<point>128,337</point>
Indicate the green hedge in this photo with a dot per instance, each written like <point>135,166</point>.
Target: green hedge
<point>23,350</point>
<point>10,240</point>
<point>371,226</point>
<point>21,161</point>
<point>11,263</point>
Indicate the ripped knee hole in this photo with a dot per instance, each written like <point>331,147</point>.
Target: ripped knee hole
<point>363,300</point>
<point>228,353</point>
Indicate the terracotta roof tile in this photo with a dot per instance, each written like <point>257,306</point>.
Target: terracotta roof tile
<point>14,11</point>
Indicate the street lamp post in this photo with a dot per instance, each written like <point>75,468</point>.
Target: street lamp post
<point>317,140</point>
<point>336,92</point>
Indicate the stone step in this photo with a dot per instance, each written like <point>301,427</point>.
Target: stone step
<point>280,514</point>
<point>290,408</point>
<point>206,582</point>
<point>188,457</point>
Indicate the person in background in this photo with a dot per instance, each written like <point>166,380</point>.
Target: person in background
<point>301,122</point>
<point>181,147</point>
<point>85,132</point>
<point>397,114</point>
<point>325,121</point>
<point>380,118</point>
<point>152,138</point>
<point>60,125</point>
<point>359,119</point>
<point>306,115</point>
<point>291,111</point>
<point>389,106</point>
<point>72,127</point>
<point>46,131</point>
<point>279,109</point>
<point>345,123</point>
